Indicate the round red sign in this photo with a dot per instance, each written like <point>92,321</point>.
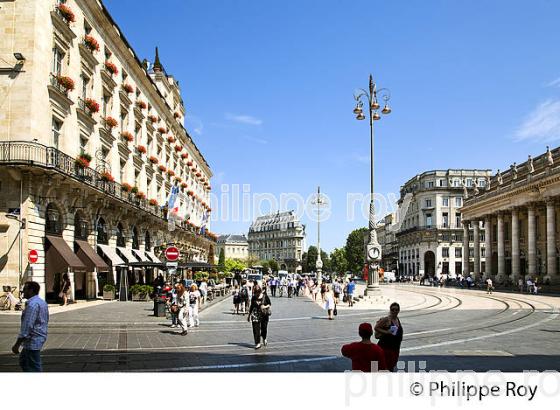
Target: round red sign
<point>33,256</point>
<point>172,253</point>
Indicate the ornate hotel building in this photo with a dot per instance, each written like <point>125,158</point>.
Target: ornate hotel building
<point>234,247</point>
<point>280,237</point>
<point>521,207</point>
<point>92,140</point>
<point>428,225</point>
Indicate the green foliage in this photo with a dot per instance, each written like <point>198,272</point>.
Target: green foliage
<point>233,265</point>
<point>222,260</point>
<point>309,260</point>
<point>109,288</point>
<point>273,265</point>
<point>140,289</point>
<point>355,249</point>
<point>200,275</point>
<point>339,263</point>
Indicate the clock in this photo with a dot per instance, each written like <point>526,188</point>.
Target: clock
<point>373,253</point>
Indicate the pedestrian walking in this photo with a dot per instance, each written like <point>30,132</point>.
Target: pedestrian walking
<point>65,289</point>
<point>203,291</point>
<point>173,308</point>
<point>350,292</point>
<point>323,291</point>
<point>489,286</point>
<point>390,332</point>
<point>337,289</point>
<point>33,331</point>
<point>236,300</point>
<point>520,285</point>
<point>535,286</point>
<point>529,285</point>
<point>366,356</point>
<point>244,295</point>
<point>259,313</point>
<point>330,304</point>
<point>194,303</point>
<point>182,306</point>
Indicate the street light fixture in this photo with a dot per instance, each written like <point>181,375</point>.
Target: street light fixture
<point>319,201</point>
<point>373,249</point>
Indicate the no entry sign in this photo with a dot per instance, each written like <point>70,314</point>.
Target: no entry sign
<point>33,256</point>
<point>172,253</point>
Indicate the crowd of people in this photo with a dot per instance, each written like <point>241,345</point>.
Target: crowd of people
<point>183,304</point>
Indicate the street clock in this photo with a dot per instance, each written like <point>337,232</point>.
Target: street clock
<point>373,253</point>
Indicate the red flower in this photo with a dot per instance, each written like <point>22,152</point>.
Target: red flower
<point>128,88</point>
<point>141,104</point>
<point>106,176</point>
<point>152,118</point>
<point>162,168</point>
<point>153,160</point>
<point>189,164</point>
<point>178,148</point>
<point>82,162</point>
<point>92,105</point>
<point>198,174</point>
<point>141,149</point>
<point>153,202</point>
<point>65,82</point>
<point>112,68</point>
<point>190,193</point>
<point>162,130</point>
<point>127,136</point>
<point>184,155</point>
<point>140,195</point>
<point>91,43</point>
<point>171,139</point>
<point>127,187</point>
<point>111,122</point>
<point>184,185</point>
<point>176,115</point>
<point>66,12</point>
<point>170,172</point>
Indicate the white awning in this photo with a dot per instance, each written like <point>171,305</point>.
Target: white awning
<point>153,257</point>
<point>141,256</point>
<point>127,254</point>
<point>111,254</point>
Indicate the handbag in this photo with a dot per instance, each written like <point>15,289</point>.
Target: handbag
<point>267,311</point>
<point>174,309</point>
<point>61,294</point>
<point>335,311</point>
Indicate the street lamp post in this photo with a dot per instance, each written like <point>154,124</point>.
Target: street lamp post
<point>373,249</point>
<point>319,264</point>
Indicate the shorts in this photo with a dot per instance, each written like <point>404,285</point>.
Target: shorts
<point>336,294</point>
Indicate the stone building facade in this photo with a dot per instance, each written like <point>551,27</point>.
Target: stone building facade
<point>521,208</point>
<point>92,141</point>
<point>280,237</point>
<point>234,247</point>
<point>429,229</point>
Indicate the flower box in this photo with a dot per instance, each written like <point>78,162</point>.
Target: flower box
<point>107,177</point>
<point>184,155</point>
<point>162,130</point>
<point>140,195</point>
<point>171,139</point>
<point>176,115</point>
<point>83,160</point>
<point>134,189</point>
<point>127,136</point>
<point>66,13</point>
<point>128,88</point>
<point>153,202</point>
<point>178,148</point>
<point>179,179</point>
<point>152,118</point>
<point>126,187</point>
<point>91,43</point>
<point>141,149</point>
<point>91,105</point>
<point>153,160</point>
<point>141,104</point>
<point>111,67</point>
<point>170,172</point>
<point>162,168</point>
<point>109,291</point>
<point>65,82</point>
<point>111,122</point>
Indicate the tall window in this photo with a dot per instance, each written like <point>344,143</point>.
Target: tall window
<point>445,252</point>
<point>102,237</point>
<point>458,201</point>
<point>85,82</point>
<point>428,203</point>
<point>428,220</point>
<point>120,236</point>
<point>53,220</point>
<point>81,228</point>
<point>457,220</point>
<point>135,241</point>
<point>445,201</point>
<point>458,252</point>
<point>445,220</point>
<point>123,168</point>
<point>56,127</point>
<point>58,56</point>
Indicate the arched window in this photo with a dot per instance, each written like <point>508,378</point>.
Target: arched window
<point>120,236</point>
<point>102,237</point>
<point>135,241</point>
<point>53,220</point>
<point>148,242</point>
<point>81,227</point>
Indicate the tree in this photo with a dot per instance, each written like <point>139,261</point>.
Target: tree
<point>355,249</point>
<point>309,259</point>
<point>273,265</point>
<point>338,260</point>
<point>326,261</point>
<point>222,260</point>
<point>234,265</point>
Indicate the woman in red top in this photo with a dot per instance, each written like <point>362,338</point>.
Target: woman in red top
<point>365,353</point>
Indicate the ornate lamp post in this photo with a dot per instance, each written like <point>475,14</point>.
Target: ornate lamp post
<point>319,201</point>
<point>373,249</point>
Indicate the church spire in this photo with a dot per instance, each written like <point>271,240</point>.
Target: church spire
<point>157,64</point>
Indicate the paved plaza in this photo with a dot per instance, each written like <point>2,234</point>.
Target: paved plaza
<point>445,329</point>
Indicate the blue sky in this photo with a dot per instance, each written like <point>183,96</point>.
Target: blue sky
<point>268,87</point>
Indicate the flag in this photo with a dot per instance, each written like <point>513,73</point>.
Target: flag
<point>204,223</point>
<point>172,210</point>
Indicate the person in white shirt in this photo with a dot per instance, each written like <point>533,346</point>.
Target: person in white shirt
<point>203,291</point>
<point>489,286</point>
<point>194,302</point>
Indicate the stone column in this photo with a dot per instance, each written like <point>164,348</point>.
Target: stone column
<point>488,247</point>
<point>465,248</point>
<point>476,226</point>
<point>515,245</point>
<point>501,249</point>
<point>531,240</point>
<point>550,242</point>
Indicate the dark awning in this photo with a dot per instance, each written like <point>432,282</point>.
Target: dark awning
<point>111,254</point>
<point>59,256</point>
<point>89,258</point>
<point>148,265</point>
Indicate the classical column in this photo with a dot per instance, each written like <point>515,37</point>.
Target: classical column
<point>465,248</point>
<point>488,247</point>
<point>550,241</point>
<point>501,249</point>
<point>532,240</point>
<point>476,233</point>
<point>515,245</point>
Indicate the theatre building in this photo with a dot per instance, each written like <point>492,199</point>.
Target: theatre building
<point>92,141</point>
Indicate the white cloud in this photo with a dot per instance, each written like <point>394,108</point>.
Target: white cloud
<point>196,124</point>
<point>243,119</point>
<point>555,83</point>
<point>542,125</point>
<point>256,140</point>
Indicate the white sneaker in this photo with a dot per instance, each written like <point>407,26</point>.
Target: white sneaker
<point>173,325</point>
<point>265,342</point>
<point>258,346</point>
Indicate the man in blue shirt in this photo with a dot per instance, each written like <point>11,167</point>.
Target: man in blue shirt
<point>350,292</point>
<point>33,332</point>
